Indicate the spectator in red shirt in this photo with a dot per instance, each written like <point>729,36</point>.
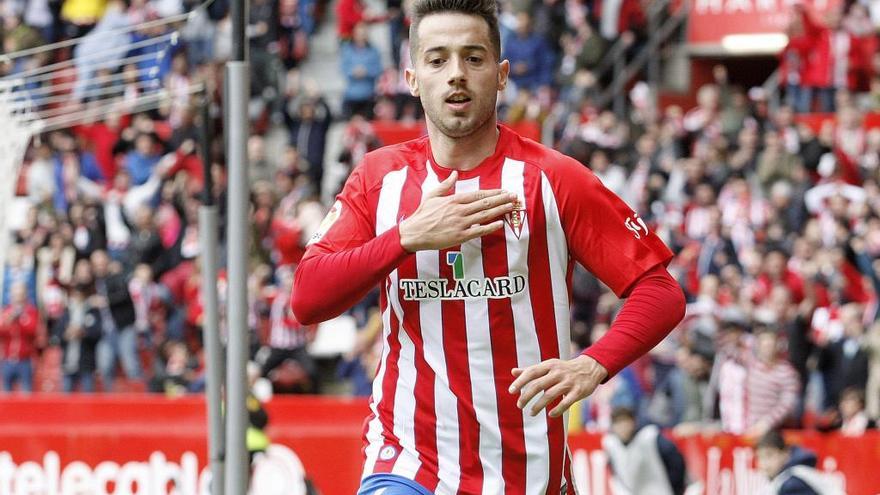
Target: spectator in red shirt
<point>350,13</point>
<point>836,58</point>
<point>18,334</point>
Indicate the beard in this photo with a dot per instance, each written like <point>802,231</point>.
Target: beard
<point>458,124</point>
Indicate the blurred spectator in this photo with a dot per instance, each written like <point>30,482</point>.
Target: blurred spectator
<point>642,459</point>
<point>619,18</point>
<point>119,342</point>
<point>256,439</point>
<point>103,48</point>
<point>850,418</point>
<point>872,393</point>
<point>792,470</point>
<point>142,159</point>
<point>78,331</point>
<point>288,363</point>
<point>362,65</point>
<point>531,60</point>
<point>81,15</point>
<point>350,13</point>
<point>179,372</point>
<point>758,389</point>
<point>19,322</point>
<point>308,120</point>
<point>843,361</point>
<point>19,271</point>
<point>836,57</point>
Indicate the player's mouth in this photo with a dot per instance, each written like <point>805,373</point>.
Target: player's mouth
<point>458,102</point>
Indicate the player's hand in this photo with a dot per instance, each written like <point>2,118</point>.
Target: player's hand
<point>572,380</point>
<point>444,220</point>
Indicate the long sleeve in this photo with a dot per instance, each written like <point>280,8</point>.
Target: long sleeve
<point>329,283</point>
<point>655,305</point>
<point>611,241</point>
<point>788,395</point>
<point>345,258</point>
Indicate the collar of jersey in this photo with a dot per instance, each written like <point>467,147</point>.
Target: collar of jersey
<point>502,147</point>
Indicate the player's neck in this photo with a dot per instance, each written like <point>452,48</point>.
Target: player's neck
<point>464,153</point>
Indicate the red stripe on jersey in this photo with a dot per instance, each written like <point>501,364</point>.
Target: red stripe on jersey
<point>455,347</point>
<point>541,294</point>
<point>503,336</point>
<point>566,470</point>
<point>425,412</point>
<point>389,389</point>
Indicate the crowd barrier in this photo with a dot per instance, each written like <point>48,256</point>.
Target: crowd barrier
<point>149,445</point>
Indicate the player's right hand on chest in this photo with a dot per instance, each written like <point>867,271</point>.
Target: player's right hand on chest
<point>443,220</point>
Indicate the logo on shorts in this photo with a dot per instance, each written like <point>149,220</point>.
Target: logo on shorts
<point>387,453</point>
<point>636,225</point>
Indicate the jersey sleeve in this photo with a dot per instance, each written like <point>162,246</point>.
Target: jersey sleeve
<point>603,234</point>
<point>344,259</point>
<point>348,223</point>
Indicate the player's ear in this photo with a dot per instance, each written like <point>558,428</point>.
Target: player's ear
<point>412,82</point>
<point>503,72</point>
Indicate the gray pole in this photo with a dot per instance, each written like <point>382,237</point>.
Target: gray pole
<point>211,328</point>
<point>237,249</point>
<point>237,95</point>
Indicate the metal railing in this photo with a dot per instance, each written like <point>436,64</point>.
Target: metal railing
<point>660,30</point>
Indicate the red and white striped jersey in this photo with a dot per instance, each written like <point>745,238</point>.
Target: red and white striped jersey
<point>456,321</point>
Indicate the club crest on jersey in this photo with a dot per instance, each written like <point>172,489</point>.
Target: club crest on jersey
<point>636,225</point>
<point>461,287</point>
<point>516,218</point>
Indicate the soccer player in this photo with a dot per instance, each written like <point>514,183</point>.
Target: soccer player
<point>472,232</point>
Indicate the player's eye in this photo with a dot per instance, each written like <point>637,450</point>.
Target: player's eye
<point>475,60</point>
<point>435,62</point>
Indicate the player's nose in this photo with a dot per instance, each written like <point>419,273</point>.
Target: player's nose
<point>457,71</point>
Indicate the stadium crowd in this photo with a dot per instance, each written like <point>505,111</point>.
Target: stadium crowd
<point>775,225</point>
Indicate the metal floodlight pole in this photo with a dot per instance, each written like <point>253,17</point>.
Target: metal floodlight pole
<point>211,328</point>
<point>237,94</point>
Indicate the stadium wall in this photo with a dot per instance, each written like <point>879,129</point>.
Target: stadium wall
<point>148,445</point>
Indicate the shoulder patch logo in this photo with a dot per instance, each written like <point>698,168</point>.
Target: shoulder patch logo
<point>329,220</point>
<point>516,218</point>
<point>637,226</point>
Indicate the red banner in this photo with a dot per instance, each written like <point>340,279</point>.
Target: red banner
<point>146,445</point>
<point>710,21</point>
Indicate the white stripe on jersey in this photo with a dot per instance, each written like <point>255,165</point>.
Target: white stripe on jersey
<point>407,463</point>
<point>392,185</point>
<point>481,364</point>
<point>557,250</point>
<point>528,350</point>
<point>445,403</point>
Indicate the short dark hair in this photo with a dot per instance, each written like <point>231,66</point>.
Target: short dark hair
<point>622,412</point>
<point>773,439</point>
<point>486,9</point>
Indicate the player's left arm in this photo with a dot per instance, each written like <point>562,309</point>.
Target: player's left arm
<point>611,241</point>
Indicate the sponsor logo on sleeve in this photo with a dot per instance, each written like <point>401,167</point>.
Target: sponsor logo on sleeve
<point>636,225</point>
